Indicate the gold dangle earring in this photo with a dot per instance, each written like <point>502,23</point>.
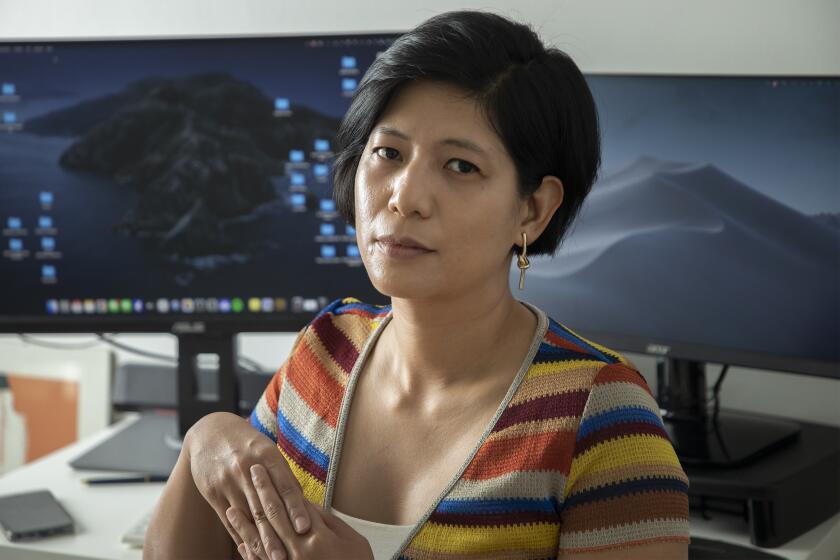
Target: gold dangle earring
<point>522,261</point>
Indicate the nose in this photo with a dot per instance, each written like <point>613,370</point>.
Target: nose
<point>411,190</point>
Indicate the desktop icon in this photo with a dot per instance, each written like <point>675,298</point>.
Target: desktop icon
<point>327,251</point>
<point>348,62</point>
<point>89,306</point>
<point>138,305</point>
<point>321,169</point>
<point>76,306</point>
<point>327,205</point>
<point>237,305</point>
<point>224,305</point>
<point>15,244</point>
<point>8,89</point>
<point>113,306</point>
<point>348,84</point>
<point>327,229</point>
<point>102,305</point>
<point>48,272</point>
<point>174,305</point>
<point>199,305</point>
<point>212,305</point>
<point>254,305</point>
<point>9,117</point>
<point>14,222</point>
<point>48,244</point>
<point>298,199</point>
<point>125,305</point>
<point>46,198</point>
<point>349,230</point>
<point>352,251</point>
<point>52,306</point>
<point>163,305</point>
<point>45,222</point>
<point>267,305</point>
<point>279,304</point>
<point>281,103</point>
<point>187,305</point>
<point>64,306</point>
<point>310,304</point>
<point>298,179</point>
<point>296,156</point>
<point>322,145</point>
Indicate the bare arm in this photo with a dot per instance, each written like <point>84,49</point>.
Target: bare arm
<point>184,525</point>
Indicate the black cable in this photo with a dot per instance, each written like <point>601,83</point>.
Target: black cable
<point>57,345</point>
<point>134,350</point>
<point>245,363</point>
<point>716,391</point>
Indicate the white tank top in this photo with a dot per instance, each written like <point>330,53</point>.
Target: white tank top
<point>384,539</point>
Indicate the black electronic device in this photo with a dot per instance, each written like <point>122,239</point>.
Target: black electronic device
<point>711,549</point>
<point>780,497</point>
<point>33,515</point>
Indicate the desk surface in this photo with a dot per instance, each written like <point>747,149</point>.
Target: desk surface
<point>104,513</point>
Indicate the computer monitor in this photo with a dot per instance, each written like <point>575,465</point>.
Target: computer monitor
<point>711,235</point>
<point>182,185</point>
<point>176,185</point>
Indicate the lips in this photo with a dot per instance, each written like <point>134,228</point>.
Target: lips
<point>402,241</point>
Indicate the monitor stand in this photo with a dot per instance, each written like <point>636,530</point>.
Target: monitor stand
<point>709,438</point>
<point>151,445</point>
<point>194,352</point>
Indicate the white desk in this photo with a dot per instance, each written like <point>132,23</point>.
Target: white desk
<point>104,513</point>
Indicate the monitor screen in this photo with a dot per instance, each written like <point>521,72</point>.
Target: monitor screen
<point>713,231</point>
<point>146,180</point>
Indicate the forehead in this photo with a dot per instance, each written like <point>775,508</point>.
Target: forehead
<point>430,111</point>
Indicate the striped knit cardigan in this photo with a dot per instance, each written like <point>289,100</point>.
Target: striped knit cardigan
<point>576,459</point>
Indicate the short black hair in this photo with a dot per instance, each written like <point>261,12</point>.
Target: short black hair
<point>535,98</point>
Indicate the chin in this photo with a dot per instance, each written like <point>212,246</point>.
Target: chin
<point>408,288</point>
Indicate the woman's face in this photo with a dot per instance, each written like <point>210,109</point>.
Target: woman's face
<point>433,170</point>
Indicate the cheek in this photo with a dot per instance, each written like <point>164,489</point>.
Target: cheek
<point>363,198</point>
<point>365,208</point>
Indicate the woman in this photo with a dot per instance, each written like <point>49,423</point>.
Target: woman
<point>457,422</point>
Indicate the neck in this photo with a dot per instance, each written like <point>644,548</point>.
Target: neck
<point>435,349</point>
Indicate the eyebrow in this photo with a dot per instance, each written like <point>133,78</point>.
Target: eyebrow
<point>459,142</point>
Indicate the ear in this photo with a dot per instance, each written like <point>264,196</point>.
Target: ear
<point>539,208</point>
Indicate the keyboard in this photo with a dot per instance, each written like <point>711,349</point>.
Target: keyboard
<point>137,532</point>
<point>709,549</point>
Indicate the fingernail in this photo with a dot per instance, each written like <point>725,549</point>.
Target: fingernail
<point>300,525</point>
<point>254,471</point>
<point>241,549</point>
<point>230,514</point>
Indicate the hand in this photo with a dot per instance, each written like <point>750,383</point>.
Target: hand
<point>222,448</point>
<point>330,538</point>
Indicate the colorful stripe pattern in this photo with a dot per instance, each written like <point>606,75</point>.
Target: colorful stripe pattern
<point>578,461</point>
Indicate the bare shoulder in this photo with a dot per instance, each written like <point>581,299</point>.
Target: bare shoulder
<point>655,551</point>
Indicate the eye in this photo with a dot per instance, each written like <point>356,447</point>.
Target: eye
<point>386,150</point>
<point>463,167</point>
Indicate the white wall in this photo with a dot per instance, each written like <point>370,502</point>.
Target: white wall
<point>794,37</point>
